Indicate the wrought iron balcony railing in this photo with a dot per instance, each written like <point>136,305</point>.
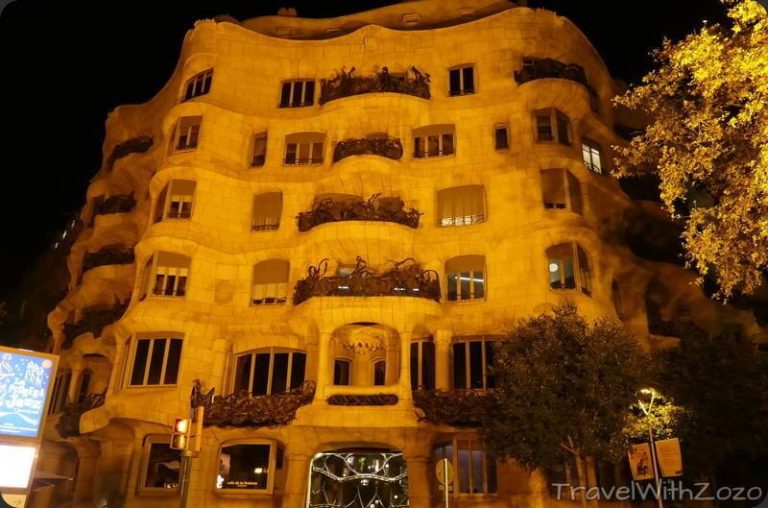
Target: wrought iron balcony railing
<point>69,421</point>
<point>344,84</point>
<point>460,408</point>
<point>374,209</point>
<point>385,147</point>
<point>541,68</point>
<point>93,320</point>
<point>107,256</point>
<point>139,144</point>
<point>405,278</point>
<point>121,203</point>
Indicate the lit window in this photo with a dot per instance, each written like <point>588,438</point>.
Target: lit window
<point>198,85</point>
<point>475,468</point>
<point>501,137</point>
<point>161,465</point>
<point>188,132</point>
<point>472,363</point>
<point>156,361</point>
<point>379,373</point>
<point>466,278</point>
<point>561,190</point>
<point>270,282</point>
<point>60,395</point>
<point>175,200</point>
<point>270,371</point>
<point>433,141</point>
<point>591,151</point>
<point>462,80</point>
<point>552,126</point>
<point>422,365</point>
<point>461,206</point>
<point>297,93</point>
<point>168,272</point>
<point>267,209</point>
<point>259,150</point>
<point>563,270</point>
<point>250,466</point>
<point>342,368</point>
<point>303,149</point>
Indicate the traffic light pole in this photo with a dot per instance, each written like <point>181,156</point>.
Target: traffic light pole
<point>184,474</point>
<point>188,453</point>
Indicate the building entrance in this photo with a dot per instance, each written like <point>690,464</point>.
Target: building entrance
<point>358,479</point>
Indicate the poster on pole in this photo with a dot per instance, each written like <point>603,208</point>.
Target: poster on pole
<point>669,457</point>
<point>640,461</point>
<point>25,379</point>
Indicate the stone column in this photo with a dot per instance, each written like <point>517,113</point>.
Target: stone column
<point>323,364</point>
<point>443,340</point>
<point>419,481</point>
<point>296,478</point>
<point>405,365</point>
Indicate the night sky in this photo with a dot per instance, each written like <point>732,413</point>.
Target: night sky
<point>66,64</point>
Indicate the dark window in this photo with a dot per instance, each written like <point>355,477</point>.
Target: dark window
<point>156,362</point>
<point>188,132</point>
<point>462,80</point>
<point>475,468</point>
<point>162,467</point>
<point>259,150</point>
<point>296,94</point>
<point>563,129</point>
<point>472,361</point>
<point>341,371</point>
<point>422,365</point>
<point>561,190</point>
<point>199,85</point>
<point>85,384</point>
<point>269,372</point>
<point>544,128</point>
<point>552,125</point>
<point>245,466</point>
<point>60,394</point>
<point>379,373</point>
<point>501,137</point>
<point>433,141</point>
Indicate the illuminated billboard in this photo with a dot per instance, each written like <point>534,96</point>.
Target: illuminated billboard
<point>16,465</point>
<point>24,381</point>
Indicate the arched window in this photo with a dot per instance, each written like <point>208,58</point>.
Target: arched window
<point>568,267</point>
<point>465,278</point>
<point>270,371</point>
<point>422,365</point>
<point>379,372</point>
<point>270,282</point>
<point>199,84</point>
<point>561,190</point>
<point>342,371</point>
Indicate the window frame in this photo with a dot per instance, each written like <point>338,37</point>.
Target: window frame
<point>193,131</point>
<point>151,268</point>
<point>311,145</point>
<point>374,363</point>
<point>555,122</point>
<point>166,197</point>
<point>419,360</point>
<point>595,150</point>
<point>473,286</point>
<point>272,351</point>
<point>567,178</point>
<point>266,226</point>
<point>204,79</point>
<point>131,359</point>
<point>259,160</point>
<point>462,90</point>
<point>496,128</point>
<point>146,453</point>
<point>304,101</point>
<point>276,300</point>
<point>466,341</point>
<point>582,275</point>
<point>349,362</point>
<point>60,392</point>
<point>474,444</point>
<point>420,137</point>
<point>84,382</point>
<point>272,479</point>
<point>460,220</point>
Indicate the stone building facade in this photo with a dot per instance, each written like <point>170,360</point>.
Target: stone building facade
<point>331,222</point>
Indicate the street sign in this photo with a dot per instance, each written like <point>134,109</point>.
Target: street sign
<point>444,471</point>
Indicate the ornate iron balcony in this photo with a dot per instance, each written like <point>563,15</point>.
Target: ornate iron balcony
<point>540,68</point>
<point>374,209</point>
<point>344,84</point>
<point>377,399</point>
<point>107,256</point>
<point>385,147</point>
<point>120,203</point>
<point>406,278</point>
<point>69,421</point>
<point>460,408</point>
<point>93,320</point>
<point>139,144</point>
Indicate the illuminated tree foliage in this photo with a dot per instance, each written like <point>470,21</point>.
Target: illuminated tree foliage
<point>562,387</point>
<point>707,142</point>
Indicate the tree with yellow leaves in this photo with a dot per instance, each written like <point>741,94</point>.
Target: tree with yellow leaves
<point>707,142</point>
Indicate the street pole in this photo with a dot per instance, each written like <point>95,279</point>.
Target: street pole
<point>447,484</point>
<point>184,474</point>
<point>654,457</point>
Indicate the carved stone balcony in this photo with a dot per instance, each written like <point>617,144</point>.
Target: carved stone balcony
<point>542,68</point>
<point>244,410</point>
<point>120,203</point>
<point>344,84</point>
<point>459,408</point>
<point>93,320</point>
<point>405,278</point>
<point>384,147</point>
<point>374,209</point>
<point>69,421</point>
<point>108,256</point>
<point>139,144</point>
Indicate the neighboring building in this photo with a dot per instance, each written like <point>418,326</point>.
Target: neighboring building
<point>231,236</point>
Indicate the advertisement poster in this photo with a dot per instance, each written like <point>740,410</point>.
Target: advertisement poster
<point>24,380</point>
<point>669,457</point>
<point>16,466</point>
<point>640,462</point>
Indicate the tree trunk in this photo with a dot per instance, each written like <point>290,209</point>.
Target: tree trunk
<point>582,475</point>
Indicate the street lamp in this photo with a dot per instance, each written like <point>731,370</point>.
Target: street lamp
<point>653,395</point>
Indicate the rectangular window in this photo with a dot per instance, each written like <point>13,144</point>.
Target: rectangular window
<point>472,362</point>
<point>170,272</point>
<point>259,150</point>
<point>188,132</point>
<point>297,93</point>
<point>474,467</point>
<point>248,467</point>
<point>434,141</point>
<point>462,80</point>
<point>155,361</point>
<point>461,206</point>
<point>468,285</point>
<point>162,466</point>
<point>552,126</point>
<point>341,371</point>
<point>590,152</point>
<point>175,200</point>
<point>270,371</point>
<point>561,272</point>
<point>561,190</point>
<point>60,395</point>
<point>563,129</point>
<point>267,209</point>
<point>270,282</point>
<point>422,365</point>
<point>198,85</point>
<point>304,149</point>
<point>379,373</point>
<point>544,133</point>
<point>501,137</point>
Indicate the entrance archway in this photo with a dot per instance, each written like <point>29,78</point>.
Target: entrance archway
<point>358,479</point>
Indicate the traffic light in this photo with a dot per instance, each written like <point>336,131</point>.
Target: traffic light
<point>180,436</point>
